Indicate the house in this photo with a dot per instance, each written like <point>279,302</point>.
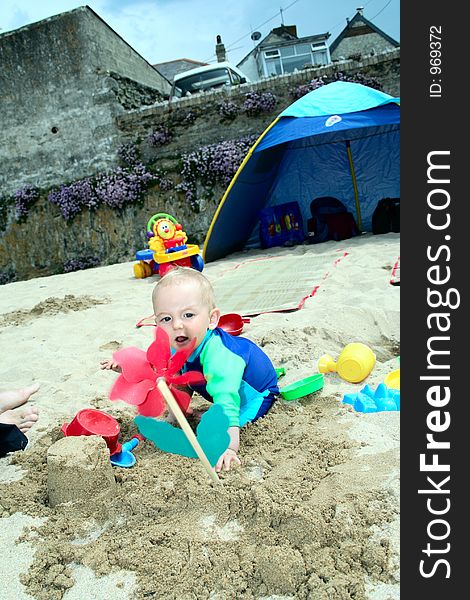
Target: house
<point>175,67</point>
<point>282,51</point>
<point>360,38</point>
<point>63,82</point>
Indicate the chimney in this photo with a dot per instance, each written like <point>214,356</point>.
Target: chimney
<point>220,50</point>
<point>291,29</point>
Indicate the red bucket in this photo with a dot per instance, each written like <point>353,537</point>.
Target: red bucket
<point>90,421</point>
<point>232,323</point>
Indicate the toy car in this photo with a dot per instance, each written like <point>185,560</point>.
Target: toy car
<point>167,248</point>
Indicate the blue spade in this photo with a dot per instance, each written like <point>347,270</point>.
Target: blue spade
<point>125,458</point>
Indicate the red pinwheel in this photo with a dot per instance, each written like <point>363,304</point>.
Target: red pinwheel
<point>137,383</point>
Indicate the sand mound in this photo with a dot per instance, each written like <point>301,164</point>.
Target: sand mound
<point>51,306</point>
<point>286,523</point>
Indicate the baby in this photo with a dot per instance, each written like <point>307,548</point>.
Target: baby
<point>239,375</point>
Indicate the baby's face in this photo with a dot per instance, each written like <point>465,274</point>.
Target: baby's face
<point>181,311</point>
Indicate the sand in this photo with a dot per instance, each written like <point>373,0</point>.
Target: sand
<point>312,512</point>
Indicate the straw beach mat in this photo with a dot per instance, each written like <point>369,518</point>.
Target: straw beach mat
<point>273,283</point>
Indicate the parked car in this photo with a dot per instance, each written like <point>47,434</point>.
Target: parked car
<point>206,78</point>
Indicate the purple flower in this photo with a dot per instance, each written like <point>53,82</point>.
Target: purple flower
<point>73,198</point>
<point>211,165</point>
<point>25,197</point>
<point>7,276</point>
<point>122,186</point>
<point>305,88</point>
<point>166,184</point>
<point>228,110</point>
<point>257,103</point>
<point>371,82</point>
<point>77,264</point>
<point>161,136</point>
<point>128,153</point>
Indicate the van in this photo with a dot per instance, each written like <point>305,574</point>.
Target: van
<point>206,78</point>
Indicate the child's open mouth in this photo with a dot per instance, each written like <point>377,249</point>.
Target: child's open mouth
<point>181,340</point>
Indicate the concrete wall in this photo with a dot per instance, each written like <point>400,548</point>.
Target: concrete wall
<point>59,100</point>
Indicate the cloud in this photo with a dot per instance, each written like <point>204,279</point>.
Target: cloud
<point>162,30</point>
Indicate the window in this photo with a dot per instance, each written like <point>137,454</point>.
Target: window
<point>320,54</point>
<point>288,59</point>
<point>236,79</point>
<point>203,81</point>
<point>296,63</point>
<point>272,61</point>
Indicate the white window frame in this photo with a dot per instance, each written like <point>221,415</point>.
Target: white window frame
<point>320,47</point>
<point>272,54</point>
<point>314,48</point>
<point>269,55</point>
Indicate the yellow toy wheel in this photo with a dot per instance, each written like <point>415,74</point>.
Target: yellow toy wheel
<point>142,270</point>
<point>138,271</point>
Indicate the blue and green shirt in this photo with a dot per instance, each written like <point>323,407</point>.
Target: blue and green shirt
<point>239,375</point>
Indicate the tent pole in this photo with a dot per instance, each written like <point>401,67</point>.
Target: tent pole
<point>354,182</point>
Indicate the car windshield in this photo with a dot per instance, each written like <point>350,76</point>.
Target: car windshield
<point>202,81</point>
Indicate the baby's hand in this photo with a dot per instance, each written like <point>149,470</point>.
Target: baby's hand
<point>225,461</point>
<point>110,365</point>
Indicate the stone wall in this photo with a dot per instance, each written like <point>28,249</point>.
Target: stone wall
<point>45,242</point>
<point>131,94</point>
<point>140,122</point>
<point>59,101</point>
<point>361,45</point>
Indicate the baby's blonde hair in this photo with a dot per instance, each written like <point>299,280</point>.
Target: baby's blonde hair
<point>179,275</point>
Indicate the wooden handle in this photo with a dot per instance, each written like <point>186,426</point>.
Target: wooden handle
<point>183,423</point>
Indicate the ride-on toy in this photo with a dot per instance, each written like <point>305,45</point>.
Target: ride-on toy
<point>167,248</point>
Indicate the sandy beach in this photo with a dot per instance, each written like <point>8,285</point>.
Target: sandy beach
<point>312,512</point>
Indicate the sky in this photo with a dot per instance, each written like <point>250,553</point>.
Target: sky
<point>165,30</point>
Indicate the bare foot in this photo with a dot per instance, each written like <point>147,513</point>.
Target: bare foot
<point>14,398</point>
<point>23,417</point>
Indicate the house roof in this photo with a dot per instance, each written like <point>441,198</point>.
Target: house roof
<point>171,68</point>
<point>352,29</point>
<point>284,36</point>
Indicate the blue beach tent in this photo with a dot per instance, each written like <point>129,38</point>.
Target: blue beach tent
<point>340,140</point>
